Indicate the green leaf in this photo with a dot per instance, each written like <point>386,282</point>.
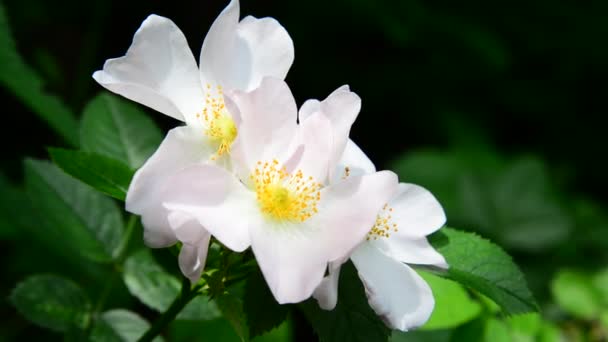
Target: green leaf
<point>89,222</point>
<point>352,319</point>
<point>118,129</point>
<point>26,84</point>
<point>262,310</point>
<point>120,326</point>
<point>453,304</point>
<point>600,284</point>
<point>482,266</point>
<point>575,293</point>
<point>52,302</point>
<point>232,309</point>
<point>525,327</point>
<point>496,331</point>
<point>157,288</point>
<point>102,173</point>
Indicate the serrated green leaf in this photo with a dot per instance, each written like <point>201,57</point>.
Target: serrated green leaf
<point>352,319</point>
<point>120,326</point>
<point>107,175</point>
<point>453,304</point>
<point>89,222</point>
<point>118,129</point>
<point>483,266</point>
<point>232,309</point>
<point>157,288</point>
<point>52,302</point>
<point>21,80</point>
<point>261,309</point>
<point>575,293</point>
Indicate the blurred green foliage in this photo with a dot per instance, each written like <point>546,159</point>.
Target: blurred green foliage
<point>497,108</point>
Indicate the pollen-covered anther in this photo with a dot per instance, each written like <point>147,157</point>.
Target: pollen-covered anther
<point>384,226</point>
<point>284,196</point>
<point>218,123</point>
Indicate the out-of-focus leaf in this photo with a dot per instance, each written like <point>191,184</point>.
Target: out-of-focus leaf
<point>120,326</point>
<point>352,319</point>
<point>512,202</point>
<point>24,83</point>
<point>575,293</point>
<point>496,331</point>
<point>549,332</point>
<point>52,302</point>
<point>89,222</point>
<point>421,336</point>
<point>262,310</point>
<point>107,175</point>
<point>600,283</point>
<point>157,288</point>
<point>524,327</point>
<point>15,210</point>
<point>453,305</point>
<point>484,267</point>
<point>232,309</point>
<point>118,129</point>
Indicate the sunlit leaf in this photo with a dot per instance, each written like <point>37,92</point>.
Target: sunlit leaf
<point>352,319</point>
<point>453,304</point>
<point>107,175</point>
<point>87,221</point>
<point>575,293</point>
<point>483,266</point>
<point>120,326</point>
<point>26,84</point>
<point>118,129</point>
<point>52,302</point>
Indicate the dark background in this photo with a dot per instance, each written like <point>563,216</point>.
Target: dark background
<point>513,77</point>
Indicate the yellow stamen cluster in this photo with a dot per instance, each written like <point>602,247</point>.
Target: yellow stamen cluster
<point>383,226</point>
<point>283,196</point>
<point>219,126</point>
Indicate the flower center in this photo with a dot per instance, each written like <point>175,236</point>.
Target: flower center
<point>283,196</point>
<point>384,225</point>
<point>220,127</point>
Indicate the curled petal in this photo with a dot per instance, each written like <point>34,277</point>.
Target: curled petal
<point>158,71</point>
<point>395,291</point>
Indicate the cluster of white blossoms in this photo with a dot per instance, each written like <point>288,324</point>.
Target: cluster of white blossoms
<point>252,171</point>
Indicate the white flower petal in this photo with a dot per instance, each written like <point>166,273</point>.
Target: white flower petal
<point>326,293</point>
<point>270,48</point>
<point>223,59</point>
<point>416,211</point>
<point>395,291</point>
<point>192,258</point>
<point>158,71</point>
<point>157,231</point>
<point>291,258</point>
<point>217,199</point>
<point>353,162</point>
<point>186,228</point>
<point>316,138</point>
<point>238,55</point>
<point>311,106</point>
<point>410,250</point>
<point>348,209</point>
<point>268,124</point>
<point>181,147</point>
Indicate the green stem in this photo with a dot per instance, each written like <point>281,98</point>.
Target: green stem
<point>124,244</point>
<point>186,295</point>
